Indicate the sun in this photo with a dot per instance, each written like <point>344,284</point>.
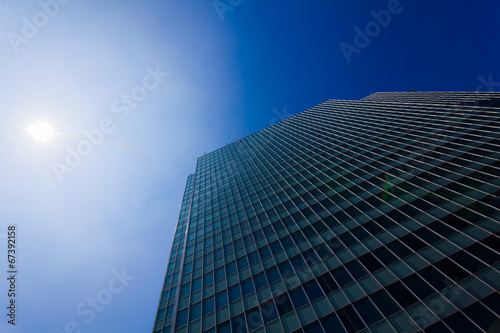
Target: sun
<point>41,131</point>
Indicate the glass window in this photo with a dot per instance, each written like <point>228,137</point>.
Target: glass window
<point>228,249</point>
<point>348,239</point>
<point>370,262</point>
<point>276,247</point>
<point>273,274</point>
<point>239,244</point>
<point>467,261</point>
<point>242,263</point>
<point>208,305</point>
<point>313,290</point>
<point>254,319</point>
<point>297,262</point>
<point>285,268</point>
<point>208,279</point>
<point>385,256</point>
<point>356,270</point>
<point>185,290</point>
<point>253,258</point>
<point>231,268</point>
<point>208,258</point>
<point>350,319</point>
<point>342,276</point>
<point>269,312</point>
<point>401,294</point>
<point>310,256</point>
<point>368,311</point>
<point>224,327</point>
<point>196,285</point>
<point>218,254</point>
<point>264,252</point>
<point>283,304</point>
<point>260,280</point>
<point>247,287</point>
<point>480,315</point>
<point>221,299</point>
<point>327,283</point>
<point>399,248</point>
<point>298,297</point>
<point>386,305</point>
<point>234,293</point>
<point>182,318</point>
<point>418,286</point>
<point>314,327</point>
<point>238,323</point>
<point>452,270</point>
<point>481,251</point>
<point>220,273</point>
<point>459,323</point>
<point>195,311</point>
<point>435,278</point>
<point>331,323</point>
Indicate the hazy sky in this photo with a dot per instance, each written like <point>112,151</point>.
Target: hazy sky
<point>137,90</point>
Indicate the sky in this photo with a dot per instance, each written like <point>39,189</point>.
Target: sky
<point>138,90</point>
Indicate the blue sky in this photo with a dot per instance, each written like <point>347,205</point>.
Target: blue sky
<point>201,78</point>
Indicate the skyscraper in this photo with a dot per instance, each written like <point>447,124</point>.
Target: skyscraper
<point>377,215</point>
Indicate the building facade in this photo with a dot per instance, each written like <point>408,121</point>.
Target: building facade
<point>377,215</point>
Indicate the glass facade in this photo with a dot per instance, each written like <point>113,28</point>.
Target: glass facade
<point>377,215</point>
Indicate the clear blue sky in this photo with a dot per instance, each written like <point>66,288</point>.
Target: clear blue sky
<point>230,73</point>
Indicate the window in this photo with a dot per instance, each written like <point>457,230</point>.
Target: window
<point>356,270</point>
<point>283,304</point>
<point>269,312</point>
<point>327,283</point>
<point>435,278</point>
<point>285,268</point>
<point>208,305</point>
<point>234,293</point>
<point>182,317</point>
<point>273,274</point>
<point>341,276</point>
<point>386,305</point>
<point>298,297</point>
<point>195,312</point>
<point>254,319</point>
<point>221,299</point>
<point>401,294</point>
<point>313,290</point>
<point>368,311</point>
<point>350,319</point>
<point>247,287</point>
<point>260,280</point>
<point>231,268</point>
<point>418,286</point>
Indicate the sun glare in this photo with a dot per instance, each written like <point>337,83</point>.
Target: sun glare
<point>41,131</point>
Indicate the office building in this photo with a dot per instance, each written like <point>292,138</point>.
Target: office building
<point>376,215</point>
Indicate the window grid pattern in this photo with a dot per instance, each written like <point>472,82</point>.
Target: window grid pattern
<point>373,215</point>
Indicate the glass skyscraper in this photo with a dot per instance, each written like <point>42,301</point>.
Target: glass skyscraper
<point>377,215</point>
